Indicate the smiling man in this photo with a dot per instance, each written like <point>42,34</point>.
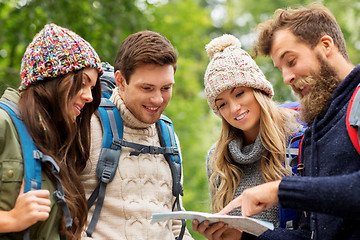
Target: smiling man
<point>144,74</point>
<point>308,47</point>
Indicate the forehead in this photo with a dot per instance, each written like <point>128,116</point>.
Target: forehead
<point>152,74</point>
<point>91,75</point>
<point>286,43</point>
<point>231,90</point>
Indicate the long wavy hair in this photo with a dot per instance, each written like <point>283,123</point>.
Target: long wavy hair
<point>45,110</point>
<point>276,126</point>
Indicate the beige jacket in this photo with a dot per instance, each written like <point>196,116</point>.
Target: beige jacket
<point>142,185</point>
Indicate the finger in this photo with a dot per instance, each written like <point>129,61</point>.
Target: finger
<point>218,234</point>
<point>41,193</point>
<point>249,210</point>
<point>195,225</point>
<point>214,228</point>
<point>43,202</point>
<point>43,209</point>
<point>22,187</point>
<point>203,226</point>
<point>233,204</point>
<point>42,216</point>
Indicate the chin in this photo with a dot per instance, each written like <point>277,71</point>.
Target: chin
<point>150,120</point>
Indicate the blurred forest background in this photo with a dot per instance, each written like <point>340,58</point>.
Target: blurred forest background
<point>189,25</point>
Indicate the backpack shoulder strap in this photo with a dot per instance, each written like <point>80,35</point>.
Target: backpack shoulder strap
<point>168,139</point>
<point>32,174</point>
<point>32,162</point>
<point>289,218</point>
<point>110,153</point>
<point>112,125</point>
<point>353,118</point>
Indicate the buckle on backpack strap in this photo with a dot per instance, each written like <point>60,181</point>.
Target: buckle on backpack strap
<point>171,150</point>
<point>37,154</point>
<point>59,197</point>
<point>105,176</point>
<point>155,150</point>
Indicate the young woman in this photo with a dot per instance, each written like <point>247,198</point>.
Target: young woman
<point>252,144</point>
<point>59,91</point>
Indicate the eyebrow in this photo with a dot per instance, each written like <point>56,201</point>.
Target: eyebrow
<point>152,85</point>
<point>282,56</point>
<point>88,78</point>
<point>232,90</point>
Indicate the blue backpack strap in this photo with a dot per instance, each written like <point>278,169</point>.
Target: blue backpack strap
<point>353,118</point>
<point>32,162</point>
<point>32,174</point>
<point>168,139</point>
<point>288,217</point>
<point>110,153</point>
<point>109,156</point>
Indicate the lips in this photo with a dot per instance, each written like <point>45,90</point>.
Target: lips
<point>305,90</point>
<point>78,108</point>
<point>242,115</point>
<point>152,108</point>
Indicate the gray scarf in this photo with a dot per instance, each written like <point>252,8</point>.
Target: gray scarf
<point>245,154</point>
<point>249,160</point>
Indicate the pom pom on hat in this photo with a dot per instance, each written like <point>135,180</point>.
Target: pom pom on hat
<point>56,51</point>
<point>220,43</point>
<point>229,67</point>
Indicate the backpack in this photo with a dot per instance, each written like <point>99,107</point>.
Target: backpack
<point>288,217</point>
<point>107,80</point>
<point>112,125</point>
<point>33,158</point>
<point>353,118</point>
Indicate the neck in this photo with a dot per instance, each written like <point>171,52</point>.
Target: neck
<point>342,66</point>
<point>250,137</point>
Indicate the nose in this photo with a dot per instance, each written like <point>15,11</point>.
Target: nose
<point>288,76</point>
<point>235,107</point>
<point>86,95</point>
<point>157,98</point>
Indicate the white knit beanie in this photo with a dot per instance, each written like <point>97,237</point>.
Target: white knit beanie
<point>229,67</point>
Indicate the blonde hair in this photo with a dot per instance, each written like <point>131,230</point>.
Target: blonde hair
<point>276,126</point>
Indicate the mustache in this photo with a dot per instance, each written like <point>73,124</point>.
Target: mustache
<point>301,83</point>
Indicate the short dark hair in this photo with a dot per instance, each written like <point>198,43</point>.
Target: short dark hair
<point>145,47</point>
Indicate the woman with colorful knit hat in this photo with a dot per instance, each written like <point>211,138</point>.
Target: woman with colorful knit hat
<point>252,145</point>
<point>59,91</point>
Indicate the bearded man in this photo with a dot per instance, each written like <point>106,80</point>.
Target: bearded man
<point>308,47</point>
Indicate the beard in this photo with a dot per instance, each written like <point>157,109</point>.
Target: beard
<point>321,87</point>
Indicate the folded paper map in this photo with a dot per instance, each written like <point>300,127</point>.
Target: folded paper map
<point>250,225</point>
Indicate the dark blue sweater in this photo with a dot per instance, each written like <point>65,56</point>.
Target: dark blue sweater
<point>329,191</point>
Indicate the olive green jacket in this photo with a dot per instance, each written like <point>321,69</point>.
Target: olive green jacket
<point>12,173</point>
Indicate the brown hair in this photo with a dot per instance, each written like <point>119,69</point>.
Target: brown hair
<point>44,107</point>
<point>141,48</point>
<point>307,24</point>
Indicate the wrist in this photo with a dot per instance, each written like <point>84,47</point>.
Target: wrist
<point>275,189</point>
<point>7,222</point>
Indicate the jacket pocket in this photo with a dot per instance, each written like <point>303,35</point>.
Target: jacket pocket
<point>11,176</point>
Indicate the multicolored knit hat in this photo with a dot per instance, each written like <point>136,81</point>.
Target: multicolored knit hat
<point>56,51</point>
<point>229,67</point>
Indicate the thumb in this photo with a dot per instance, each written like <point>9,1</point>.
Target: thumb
<point>233,204</point>
<point>22,187</point>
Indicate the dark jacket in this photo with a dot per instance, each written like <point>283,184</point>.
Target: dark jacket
<point>329,191</point>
